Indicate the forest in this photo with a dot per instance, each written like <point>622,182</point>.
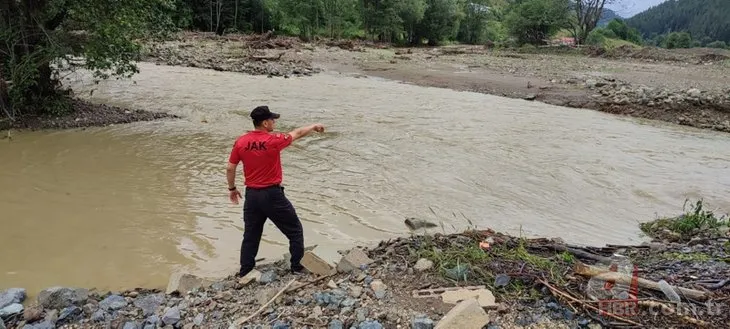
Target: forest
<point>685,23</point>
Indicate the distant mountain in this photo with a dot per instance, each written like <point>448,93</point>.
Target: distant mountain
<point>606,16</point>
<point>703,19</point>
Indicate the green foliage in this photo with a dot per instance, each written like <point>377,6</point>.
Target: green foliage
<point>535,21</point>
<point>42,37</point>
<point>717,44</point>
<point>694,221</point>
<point>678,40</point>
<point>702,19</point>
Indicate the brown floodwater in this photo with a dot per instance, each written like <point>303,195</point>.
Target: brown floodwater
<point>123,206</point>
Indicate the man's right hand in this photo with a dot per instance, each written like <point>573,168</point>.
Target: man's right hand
<point>318,127</point>
<point>234,195</point>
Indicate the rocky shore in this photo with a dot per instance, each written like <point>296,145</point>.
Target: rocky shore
<point>471,280</point>
<point>250,54</point>
<point>85,114</point>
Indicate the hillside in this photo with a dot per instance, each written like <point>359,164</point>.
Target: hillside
<point>703,19</point>
<point>607,16</point>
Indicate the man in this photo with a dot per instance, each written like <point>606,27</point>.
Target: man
<point>259,150</point>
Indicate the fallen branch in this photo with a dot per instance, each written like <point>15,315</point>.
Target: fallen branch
<point>668,310</point>
<point>621,278</point>
<point>268,58</point>
<point>244,320</point>
<point>310,282</point>
<point>579,253</point>
<point>584,304</point>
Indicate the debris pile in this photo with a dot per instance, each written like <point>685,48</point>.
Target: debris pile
<point>470,280</point>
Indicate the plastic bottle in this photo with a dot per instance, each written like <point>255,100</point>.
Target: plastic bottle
<point>669,291</point>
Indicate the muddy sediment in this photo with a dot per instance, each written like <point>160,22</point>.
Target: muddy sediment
<point>686,87</point>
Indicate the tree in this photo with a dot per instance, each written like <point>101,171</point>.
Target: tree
<point>535,21</point>
<point>587,13</point>
<point>44,37</point>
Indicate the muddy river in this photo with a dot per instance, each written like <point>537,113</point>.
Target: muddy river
<point>123,206</point>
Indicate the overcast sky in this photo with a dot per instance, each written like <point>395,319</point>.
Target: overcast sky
<point>628,8</point>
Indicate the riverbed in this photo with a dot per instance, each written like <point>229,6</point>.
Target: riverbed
<point>123,206</point>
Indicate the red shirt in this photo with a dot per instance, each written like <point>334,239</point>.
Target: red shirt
<point>260,153</point>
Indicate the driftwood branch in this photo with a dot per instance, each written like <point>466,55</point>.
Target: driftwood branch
<point>299,286</point>
<point>243,320</point>
<point>573,299</point>
<point>621,278</point>
<point>268,58</point>
<point>579,253</point>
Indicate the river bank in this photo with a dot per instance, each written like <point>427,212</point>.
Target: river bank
<point>686,87</point>
<point>474,279</point>
<point>84,114</point>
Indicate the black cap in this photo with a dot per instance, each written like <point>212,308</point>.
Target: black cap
<point>261,113</point>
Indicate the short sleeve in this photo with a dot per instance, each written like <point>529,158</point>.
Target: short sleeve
<point>280,140</point>
<point>234,158</point>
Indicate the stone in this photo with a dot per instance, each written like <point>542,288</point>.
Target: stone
<point>113,303</point>
<point>421,321</point>
<point>2,324</point>
<point>281,325</point>
<point>467,314</point>
<point>149,304</point>
<point>379,288</point>
<point>62,297</point>
<point>184,282</point>
<point>98,316</point>
<point>423,264</point>
<point>316,264</point>
<point>198,320</point>
<point>171,316</point>
<point>484,297</point>
<point>189,326</point>
<point>32,314</point>
<point>40,325</point>
<point>353,260</point>
<point>152,320</point>
<point>130,325</point>
<point>694,92</point>
<point>254,275</point>
<point>415,224</point>
<point>11,309</point>
<point>266,295</point>
<point>335,324</point>
<point>12,296</point>
<point>372,324</point>
<point>591,83</point>
<point>267,277</point>
<point>69,314</point>
<point>355,291</point>
<point>331,284</point>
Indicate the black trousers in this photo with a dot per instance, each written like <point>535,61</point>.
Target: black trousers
<point>271,203</point>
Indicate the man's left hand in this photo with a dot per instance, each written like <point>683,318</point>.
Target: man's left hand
<point>234,195</point>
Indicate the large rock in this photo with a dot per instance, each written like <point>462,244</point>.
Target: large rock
<point>484,297</point>
<point>465,315</point>
<point>316,264</point>
<point>353,260</point>
<point>149,304</point>
<point>171,316</point>
<point>113,302</point>
<point>12,296</point>
<point>61,297</point>
<point>184,282</point>
<point>11,309</point>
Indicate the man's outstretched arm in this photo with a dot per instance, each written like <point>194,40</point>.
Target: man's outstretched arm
<point>306,130</point>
